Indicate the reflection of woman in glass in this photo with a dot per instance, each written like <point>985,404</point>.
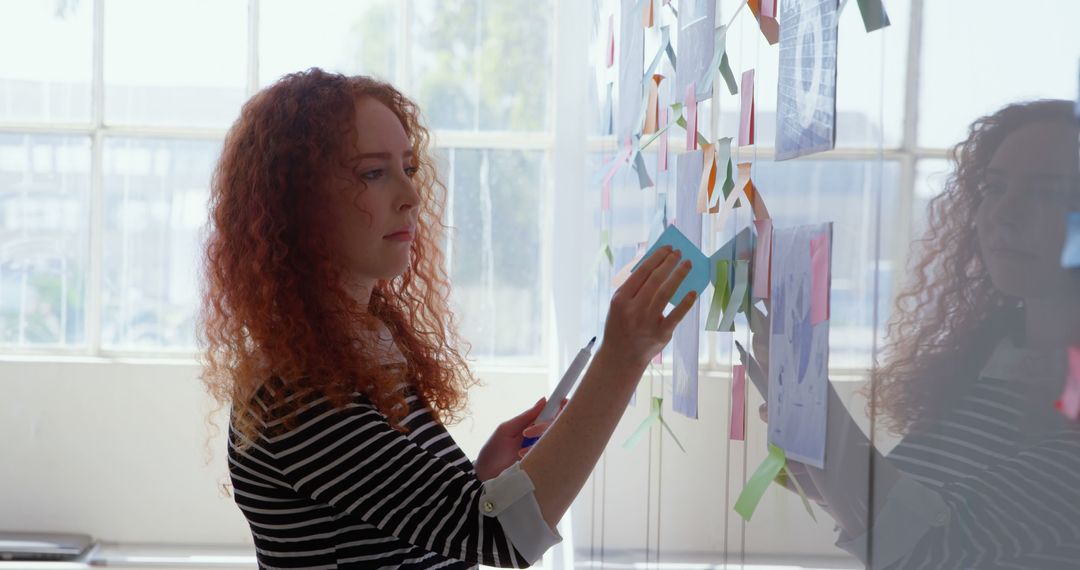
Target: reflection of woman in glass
<point>329,335</point>
<point>987,474</point>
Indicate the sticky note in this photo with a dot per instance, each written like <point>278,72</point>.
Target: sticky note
<point>620,160</point>
<point>647,15</point>
<point>605,196</point>
<point>708,178</point>
<point>738,293</point>
<point>737,429</point>
<point>662,153</point>
<point>655,407</point>
<point>1070,254</point>
<point>698,278</point>
<point>643,174</point>
<point>723,163</point>
<point>746,112</point>
<point>650,111</point>
<point>819,281</point>
<point>1069,404</point>
<point>611,41</point>
<point>768,8</point>
<point>721,295</point>
<point>757,202</point>
<point>690,101</point>
<point>873,14</point>
<point>762,259</point>
<point>761,479</point>
<point>770,27</point>
<point>655,416</point>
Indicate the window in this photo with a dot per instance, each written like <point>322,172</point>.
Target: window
<point>110,128</point>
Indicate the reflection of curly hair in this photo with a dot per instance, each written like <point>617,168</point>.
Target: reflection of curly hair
<point>274,314</point>
<point>949,317</point>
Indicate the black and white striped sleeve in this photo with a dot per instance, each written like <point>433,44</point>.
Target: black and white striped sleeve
<point>354,461</point>
<point>1022,507</point>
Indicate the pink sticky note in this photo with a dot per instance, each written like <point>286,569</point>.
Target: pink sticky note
<point>1074,364</point>
<point>768,8</point>
<point>605,197</point>
<point>737,430</point>
<point>610,41</point>
<point>762,259</point>
<point>661,155</point>
<point>1069,404</point>
<point>691,117</point>
<point>746,116</point>
<point>819,283</point>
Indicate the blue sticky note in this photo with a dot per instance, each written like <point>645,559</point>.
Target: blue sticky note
<point>699,275</point>
<point>1070,255</point>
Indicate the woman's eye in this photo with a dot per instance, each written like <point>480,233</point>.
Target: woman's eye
<point>411,171</point>
<point>372,174</point>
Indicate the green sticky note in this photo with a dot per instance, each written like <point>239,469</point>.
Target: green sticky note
<point>719,298</point>
<point>755,488</point>
<point>681,121</point>
<point>788,476</point>
<point>729,77</point>
<point>643,428</point>
<point>873,14</point>
<point>671,433</point>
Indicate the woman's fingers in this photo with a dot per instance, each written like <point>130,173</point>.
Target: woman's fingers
<point>657,278</point>
<point>677,314</point>
<point>641,274</point>
<point>763,412</point>
<point>668,288</point>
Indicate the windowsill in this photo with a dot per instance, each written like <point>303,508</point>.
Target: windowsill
<point>148,556</point>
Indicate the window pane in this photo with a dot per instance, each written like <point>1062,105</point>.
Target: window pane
<point>46,70</point>
<point>44,232</point>
<point>871,69</point>
<point>483,64</point>
<point>175,64</point>
<point>930,178</point>
<point>343,36</point>
<point>845,193</point>
<point>494,248</point>
<point>979,55</point>
<point>155,211</point>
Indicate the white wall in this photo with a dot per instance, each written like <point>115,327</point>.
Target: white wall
<point>119,450</point>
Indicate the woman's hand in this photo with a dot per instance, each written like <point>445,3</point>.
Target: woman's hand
<point>504,446</point>
<point>636,328</point>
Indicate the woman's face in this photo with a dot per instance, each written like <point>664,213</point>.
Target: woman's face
<point>373,206</point>
<point>1031,184</point>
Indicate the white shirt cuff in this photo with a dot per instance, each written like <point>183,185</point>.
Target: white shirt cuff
<point>910,511</point>
<point>509,497</point>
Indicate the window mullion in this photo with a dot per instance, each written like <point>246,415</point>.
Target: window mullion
<point>97,191</point>
<point>253,48</point>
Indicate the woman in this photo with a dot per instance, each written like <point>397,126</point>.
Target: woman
<point>987,474</point>
<point>328,334</point>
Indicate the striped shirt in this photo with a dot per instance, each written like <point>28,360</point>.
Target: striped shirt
<point>343,489</point>
<point>1007,467</point>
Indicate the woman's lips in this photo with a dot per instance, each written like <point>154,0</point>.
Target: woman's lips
<point>399,236</point>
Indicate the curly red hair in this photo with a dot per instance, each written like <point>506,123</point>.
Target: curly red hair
<point>949,316</point>
<point>274,315</point>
